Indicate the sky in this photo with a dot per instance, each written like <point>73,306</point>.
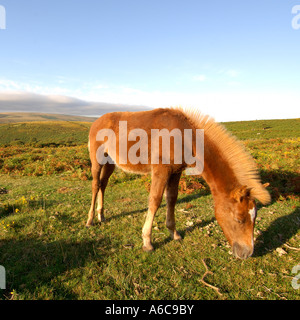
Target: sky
<point>235,60</point>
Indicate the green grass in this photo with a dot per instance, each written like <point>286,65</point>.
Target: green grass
<point>265,129</point>
<point>40,134</point>
<point>49,254</point>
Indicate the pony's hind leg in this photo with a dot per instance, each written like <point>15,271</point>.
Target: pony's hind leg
<point>96,170</point>
<point>159,180</point>
<point>106,172</point>
<point>171,197</point>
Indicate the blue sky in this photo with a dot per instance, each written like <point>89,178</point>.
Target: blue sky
<point>235,60</point>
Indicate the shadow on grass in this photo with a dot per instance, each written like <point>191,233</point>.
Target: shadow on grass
<point>33,265</point>
<point>10,207</point>
<point>182,199</point>
<point>183,232</point>
<point>282,183</point>
<point>196,195</point>
<point>278,233</point>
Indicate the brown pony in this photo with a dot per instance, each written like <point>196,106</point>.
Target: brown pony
<point>229,171</point>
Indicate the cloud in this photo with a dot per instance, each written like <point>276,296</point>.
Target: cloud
<point>88,99</point>
<point>31,102</point>
<point>97,99</point>
<point>200,77</point>
<point>232,73</point>
<point>9,84</point>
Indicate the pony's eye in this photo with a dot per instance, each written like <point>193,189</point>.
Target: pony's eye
<point>240,221</point>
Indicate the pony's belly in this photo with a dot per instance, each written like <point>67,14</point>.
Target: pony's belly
<point>135,168</point>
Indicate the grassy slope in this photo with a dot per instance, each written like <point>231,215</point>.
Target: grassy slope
<point>76,132</point>
<point>265,129</point>
<point>48,254</point>
<point>15,117</point>
<point>44,133</point>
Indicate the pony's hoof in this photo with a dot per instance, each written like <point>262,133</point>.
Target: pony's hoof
<point>89,224</point>
<point>177,237</point>
<point>148,248</point>
<point>101,218</point>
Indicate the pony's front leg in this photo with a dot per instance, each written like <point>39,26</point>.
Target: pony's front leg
<point>159,180</point>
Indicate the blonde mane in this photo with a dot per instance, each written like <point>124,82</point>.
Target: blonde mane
<point>233,151</point>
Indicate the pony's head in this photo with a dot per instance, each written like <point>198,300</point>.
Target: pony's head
<point>236,215</point>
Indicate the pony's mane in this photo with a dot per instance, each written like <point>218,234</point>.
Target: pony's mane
<point>233,151</point>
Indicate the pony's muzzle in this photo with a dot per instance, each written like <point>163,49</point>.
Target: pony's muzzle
<point>242,251</point>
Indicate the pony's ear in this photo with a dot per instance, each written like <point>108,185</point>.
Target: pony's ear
<point>240,193</point>
<point>265,185</point>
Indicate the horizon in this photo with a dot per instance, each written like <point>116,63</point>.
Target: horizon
<point>234,63</point>
<point>98,116</point>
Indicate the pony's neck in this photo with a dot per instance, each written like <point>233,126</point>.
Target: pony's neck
<point>217,172</point>
<point>226,163</point>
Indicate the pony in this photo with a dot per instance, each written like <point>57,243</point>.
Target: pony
<point>227,167</point>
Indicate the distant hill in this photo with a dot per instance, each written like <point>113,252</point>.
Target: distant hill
<point>14,117</point>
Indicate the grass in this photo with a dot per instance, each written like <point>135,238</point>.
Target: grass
<point>53,133</point>
<point>265,129</point>
<point>49,254</point>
